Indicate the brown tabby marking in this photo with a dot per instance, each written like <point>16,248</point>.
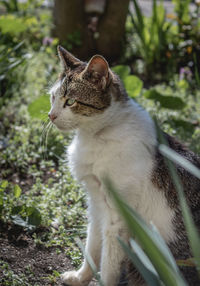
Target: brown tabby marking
<point>90,99</point>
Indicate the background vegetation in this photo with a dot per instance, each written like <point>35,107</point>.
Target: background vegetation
<point>160,69</point>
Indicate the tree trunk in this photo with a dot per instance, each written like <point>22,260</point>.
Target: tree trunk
<point>86,33</point>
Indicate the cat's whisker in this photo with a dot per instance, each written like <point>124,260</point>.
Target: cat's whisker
<point>43,136</point>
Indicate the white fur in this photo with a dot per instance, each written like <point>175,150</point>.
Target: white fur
<point>119,144</point>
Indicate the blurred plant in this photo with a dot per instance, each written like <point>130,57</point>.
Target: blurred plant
<point>188,35</point>
<point>166,42</point>
<point>20,213</point>
<point>154,35</point>
<point>24,20</point>
<point>15,6</point>
<point>132,83</point>
<point>10,59</point>
<point>185,73</point>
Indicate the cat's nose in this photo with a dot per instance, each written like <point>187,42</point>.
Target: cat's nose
<point>52,116</point>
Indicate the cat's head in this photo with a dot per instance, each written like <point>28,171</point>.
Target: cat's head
<point>84,92</point>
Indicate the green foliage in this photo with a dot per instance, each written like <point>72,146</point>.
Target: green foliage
<point>182,10</point>
<point>20,214</point>
<point>166,101</point>
<point>12,279</point>
<point>10,60</point>
<point>132,83</point>
<point>153,34</point>
<point>39,107</point>
<point>12,25</point>
<point>165,43</point>
<point>122,71</point>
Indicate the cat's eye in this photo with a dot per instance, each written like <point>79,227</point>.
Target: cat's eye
<point>69,102</point>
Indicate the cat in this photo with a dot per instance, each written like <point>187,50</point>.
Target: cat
<point>115,137</point>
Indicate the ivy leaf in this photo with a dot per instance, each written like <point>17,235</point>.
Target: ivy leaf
<point>166,101</point>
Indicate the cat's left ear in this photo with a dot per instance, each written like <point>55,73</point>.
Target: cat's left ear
<point>67,59</point>
<point>97,71</point>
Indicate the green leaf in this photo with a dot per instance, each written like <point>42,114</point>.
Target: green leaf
<point>16,210</point>
<point>17,191</point>
<point>187,125</point>
<point>56,273</point>
<point>12,25</point>
<point>4,184</point>
<point>40,107</point>
<point>19,220</point>
<point>1,200</point>
<point>34,216</point>
<point>180,160</point>
<point>193,235</point>
<point>122,71</point>
<point>142,263</point>
<point>166,101</point>
<point>133,85</point>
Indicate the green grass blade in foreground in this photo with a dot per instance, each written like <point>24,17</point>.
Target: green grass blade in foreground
<point>90,261</point>
<point>141,262</point>
<point>178,159</point>
<point>163,263</point>
<point>192,232</point>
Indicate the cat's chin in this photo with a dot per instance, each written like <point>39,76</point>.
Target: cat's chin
<point>64,128</point>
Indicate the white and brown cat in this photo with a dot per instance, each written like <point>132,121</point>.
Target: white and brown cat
<point>116,137</point>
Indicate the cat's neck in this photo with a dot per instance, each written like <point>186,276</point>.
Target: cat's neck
<point>117,118</point>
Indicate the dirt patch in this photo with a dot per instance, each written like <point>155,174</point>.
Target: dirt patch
<point>25,258</point>
<point>35,265</point>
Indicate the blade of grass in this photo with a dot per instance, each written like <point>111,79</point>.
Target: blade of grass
<point>168,273</point>
<point>148,272</point>
<point>194,239</point>
<point>178,159</point>
<point>90,261</point>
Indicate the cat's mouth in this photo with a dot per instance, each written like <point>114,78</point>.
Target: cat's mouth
<point>65,127</point>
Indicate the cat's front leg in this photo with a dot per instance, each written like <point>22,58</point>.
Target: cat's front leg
<point>93,248</point>
<point>112,253</point>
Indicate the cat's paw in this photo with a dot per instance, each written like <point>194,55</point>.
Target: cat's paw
<point>74,278</point>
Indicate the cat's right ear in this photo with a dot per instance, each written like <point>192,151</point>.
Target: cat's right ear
<point>67,59</point>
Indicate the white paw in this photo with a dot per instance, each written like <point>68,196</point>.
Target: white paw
<point>73,278</point>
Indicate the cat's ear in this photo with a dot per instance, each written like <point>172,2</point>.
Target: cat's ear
<point>67,59</point>
<point>97,71</point>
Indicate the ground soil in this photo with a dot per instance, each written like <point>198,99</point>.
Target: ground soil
<point>19,251</point>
